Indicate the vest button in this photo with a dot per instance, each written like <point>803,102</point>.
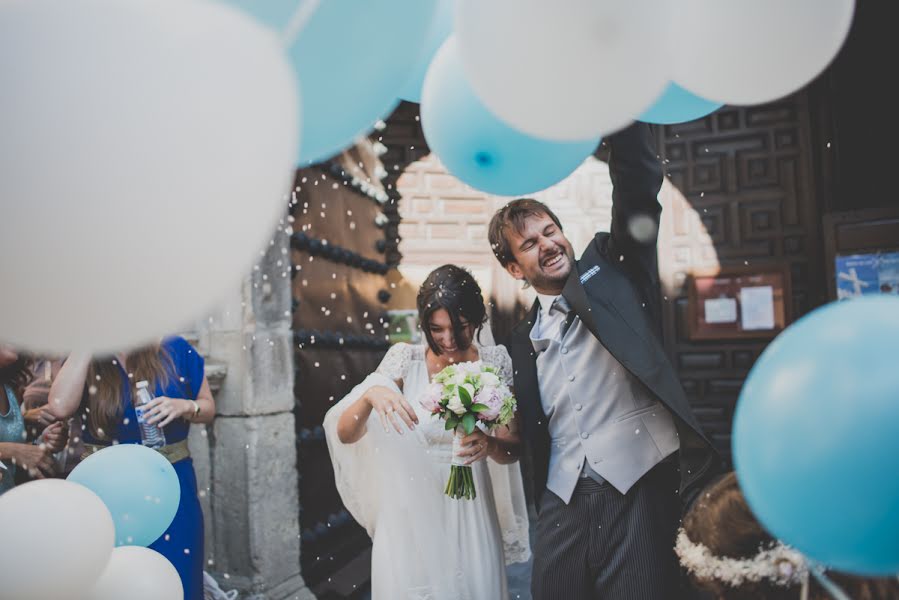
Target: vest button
<point>571,378</point>
<point>564,350</point>
<point>585,435</point>
<point>578,406</point>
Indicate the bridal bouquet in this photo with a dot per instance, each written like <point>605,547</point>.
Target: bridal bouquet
<point>464,395</point>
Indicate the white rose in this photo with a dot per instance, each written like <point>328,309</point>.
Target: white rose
<point>472,368</point>
<point>489,379</point>
<point>459,377</point>
<point>455,405</point>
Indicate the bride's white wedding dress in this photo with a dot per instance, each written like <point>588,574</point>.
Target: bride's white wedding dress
<point>426,545</point>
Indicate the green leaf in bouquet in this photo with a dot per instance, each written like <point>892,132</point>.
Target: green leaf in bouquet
<point>465,397</point>
<point>451,423</point>
<point>506,413</point>
<point>445,375</point>
<point>468,422</point>
<point>479,408</point>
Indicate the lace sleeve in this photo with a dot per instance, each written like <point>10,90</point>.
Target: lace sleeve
<point>396,362</point>
<point>499,357</point>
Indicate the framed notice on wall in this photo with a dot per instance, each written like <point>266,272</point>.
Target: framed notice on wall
<point>739,302</point>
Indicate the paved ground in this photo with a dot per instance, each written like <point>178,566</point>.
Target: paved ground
<point>519,581</point>
<point>520,574</point>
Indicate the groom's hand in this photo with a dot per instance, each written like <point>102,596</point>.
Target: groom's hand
<point>476,446</point>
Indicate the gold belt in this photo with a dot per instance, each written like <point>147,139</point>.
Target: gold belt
<point>172,452</point>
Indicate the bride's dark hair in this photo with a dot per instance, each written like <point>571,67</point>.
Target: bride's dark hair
<point>454,289</point>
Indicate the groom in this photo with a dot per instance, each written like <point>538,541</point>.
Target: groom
<point>617,451</point>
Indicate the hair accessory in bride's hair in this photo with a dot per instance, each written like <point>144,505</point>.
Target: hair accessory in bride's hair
<point>778,564</point>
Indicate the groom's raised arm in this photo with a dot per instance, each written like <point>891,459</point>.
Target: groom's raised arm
<point>637,178</point>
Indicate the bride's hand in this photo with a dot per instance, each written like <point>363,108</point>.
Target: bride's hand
<point>476,446</point>
<point>389,405</point>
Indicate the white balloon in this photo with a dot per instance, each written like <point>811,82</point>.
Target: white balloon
<point>137,573</point>
<point>565,70</point>
<point>147,148</point>
<point>57,537</point>
<point>755,51</point>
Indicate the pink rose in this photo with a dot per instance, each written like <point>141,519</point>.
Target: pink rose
<point>492,399</point>
<point>431,399</point>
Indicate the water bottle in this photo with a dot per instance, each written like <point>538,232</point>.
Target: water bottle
<point>150,435</point>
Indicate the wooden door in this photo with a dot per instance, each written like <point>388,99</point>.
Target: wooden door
<point>343,245</point>
<point>740,192</point>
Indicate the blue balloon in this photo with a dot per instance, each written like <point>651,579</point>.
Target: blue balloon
<point>351,59</point>
<point>677,105</point>
<point>478,148</point>
<point>816,436</point>
<point>139,487</point>
<point>441,28</point>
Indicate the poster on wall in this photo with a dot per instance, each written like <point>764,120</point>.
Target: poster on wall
<point>404,327</point>
<point>888,273</point>
<point>864,274</point>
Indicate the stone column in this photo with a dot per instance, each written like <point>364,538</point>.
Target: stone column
<point>252,443</point>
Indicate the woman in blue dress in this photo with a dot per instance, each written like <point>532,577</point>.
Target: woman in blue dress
<point>101,389</point>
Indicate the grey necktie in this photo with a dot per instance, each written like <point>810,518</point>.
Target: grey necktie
<point>561,305</point>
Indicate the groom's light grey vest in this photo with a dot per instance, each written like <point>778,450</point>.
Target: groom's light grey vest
<point>597,411</point>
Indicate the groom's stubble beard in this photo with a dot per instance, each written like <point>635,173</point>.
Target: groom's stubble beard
<point>552,280</point>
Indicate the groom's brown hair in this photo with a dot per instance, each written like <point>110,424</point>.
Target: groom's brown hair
<point>514,215</point>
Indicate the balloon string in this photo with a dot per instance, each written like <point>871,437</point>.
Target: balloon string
<point>298,20</point>
<point>831,588</point>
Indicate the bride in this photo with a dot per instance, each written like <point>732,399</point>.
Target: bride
<point>392,458</point>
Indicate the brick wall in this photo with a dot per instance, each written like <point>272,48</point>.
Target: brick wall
<point>444,220</point>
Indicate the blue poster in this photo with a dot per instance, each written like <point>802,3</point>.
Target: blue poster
<point>862,274</point>
<point>857,276</point>
<point>888,270</point>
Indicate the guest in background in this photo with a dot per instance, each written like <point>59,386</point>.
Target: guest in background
<point>731,556</point>
<point>101,390</point>
<point>15,450</point>
<point>38,415</point>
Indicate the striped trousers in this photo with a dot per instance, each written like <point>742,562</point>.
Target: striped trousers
<point>610,546</point>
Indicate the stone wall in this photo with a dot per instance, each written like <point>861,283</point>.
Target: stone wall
<point>246,460</point>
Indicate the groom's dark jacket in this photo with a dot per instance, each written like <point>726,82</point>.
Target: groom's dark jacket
<point>621,306</point>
